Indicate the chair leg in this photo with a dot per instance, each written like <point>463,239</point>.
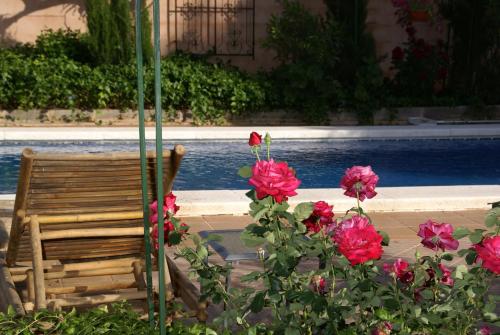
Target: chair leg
<point>39,278</point>
<point>169,290</point>
<point>139,278</point>
<point>30,285</point>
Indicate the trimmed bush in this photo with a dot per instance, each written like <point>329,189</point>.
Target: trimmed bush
<point>32,80</point>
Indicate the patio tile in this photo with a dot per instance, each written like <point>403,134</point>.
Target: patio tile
<point>396,233</point>
<point>385,219</point>
<point>410,219</point>
<point>195,223</point>
<point>227,221</point>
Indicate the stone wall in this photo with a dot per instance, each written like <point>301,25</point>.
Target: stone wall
<point>113,117</point>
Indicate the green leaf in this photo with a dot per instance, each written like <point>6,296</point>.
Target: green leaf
<point>202,252</point>
<point>292,331</point>
<point>251,240</point>
<point>302,211</point>
<point>289,217</point>
<point>447,257</point>
<point>295,306</point>
<point>258,302</point>
<point>301,228</point>
<point>252,276</point>
<point>383,314</point>
<point>385,237</point>
<point>471,257</point>
<point>427,294</point>
<point>460,270</point>
<point>491,219</point>
<point>476,236</point>
<point>11,311</point>
<point>174,238</point>
<point>280,207</point>
<point>270,237</point>
<point>252,195</point>
<point>460,232</point>
<point>463,252</point>
<point>245,171</point>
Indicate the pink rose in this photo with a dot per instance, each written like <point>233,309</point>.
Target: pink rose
<point>357,221</point>
<point>359,181</point>
<point>321,216</point>
<point>359,243</point>
<point>255,139</point>
<point>437,236</point>
<point>153,207</point>
<point>485,331</point>
<point>488,251</point>
<point>274,179</point>
<point>169,207</point>
<point>446,277</point>
<point>169,203</point>
<point>400,269</point>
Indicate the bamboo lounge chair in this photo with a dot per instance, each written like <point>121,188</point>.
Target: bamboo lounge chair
<point>80,215</point>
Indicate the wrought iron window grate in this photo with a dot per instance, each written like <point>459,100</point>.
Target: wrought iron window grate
<point>220,27</point>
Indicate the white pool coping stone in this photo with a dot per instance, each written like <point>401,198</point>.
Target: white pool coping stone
<point>389,199</point>
<point>242,133</point>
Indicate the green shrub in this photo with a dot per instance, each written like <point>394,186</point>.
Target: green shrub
<point>475,26</point>
<point>307,47</point>
<point>210,91</point>
<point>110,35</point>
<point>68,43</point>
<point>117,320</point>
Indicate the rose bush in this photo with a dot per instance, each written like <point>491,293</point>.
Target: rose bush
<point>348,293</point>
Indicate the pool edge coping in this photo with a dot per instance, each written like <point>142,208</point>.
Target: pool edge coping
<point>389,199</point>
<point>240,133</point>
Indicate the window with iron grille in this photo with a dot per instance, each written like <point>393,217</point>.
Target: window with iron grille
<point>220,27</point>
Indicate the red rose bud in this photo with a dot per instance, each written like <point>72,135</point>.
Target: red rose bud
<point>319,284</point>
<point>255,139</point>
<point>446,278</point>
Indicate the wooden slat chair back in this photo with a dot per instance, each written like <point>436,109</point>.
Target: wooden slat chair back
<point>75,184</point>
<point>85,212</point>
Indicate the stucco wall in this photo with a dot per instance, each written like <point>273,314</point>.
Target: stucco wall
<point>22,21</point>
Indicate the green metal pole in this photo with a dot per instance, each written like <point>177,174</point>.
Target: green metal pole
<point>159,165</point>
<point>142,140</point>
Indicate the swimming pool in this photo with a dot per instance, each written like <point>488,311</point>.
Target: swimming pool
<point>319,163</point>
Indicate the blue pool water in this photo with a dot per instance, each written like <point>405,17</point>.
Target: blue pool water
<point>319,164</point>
